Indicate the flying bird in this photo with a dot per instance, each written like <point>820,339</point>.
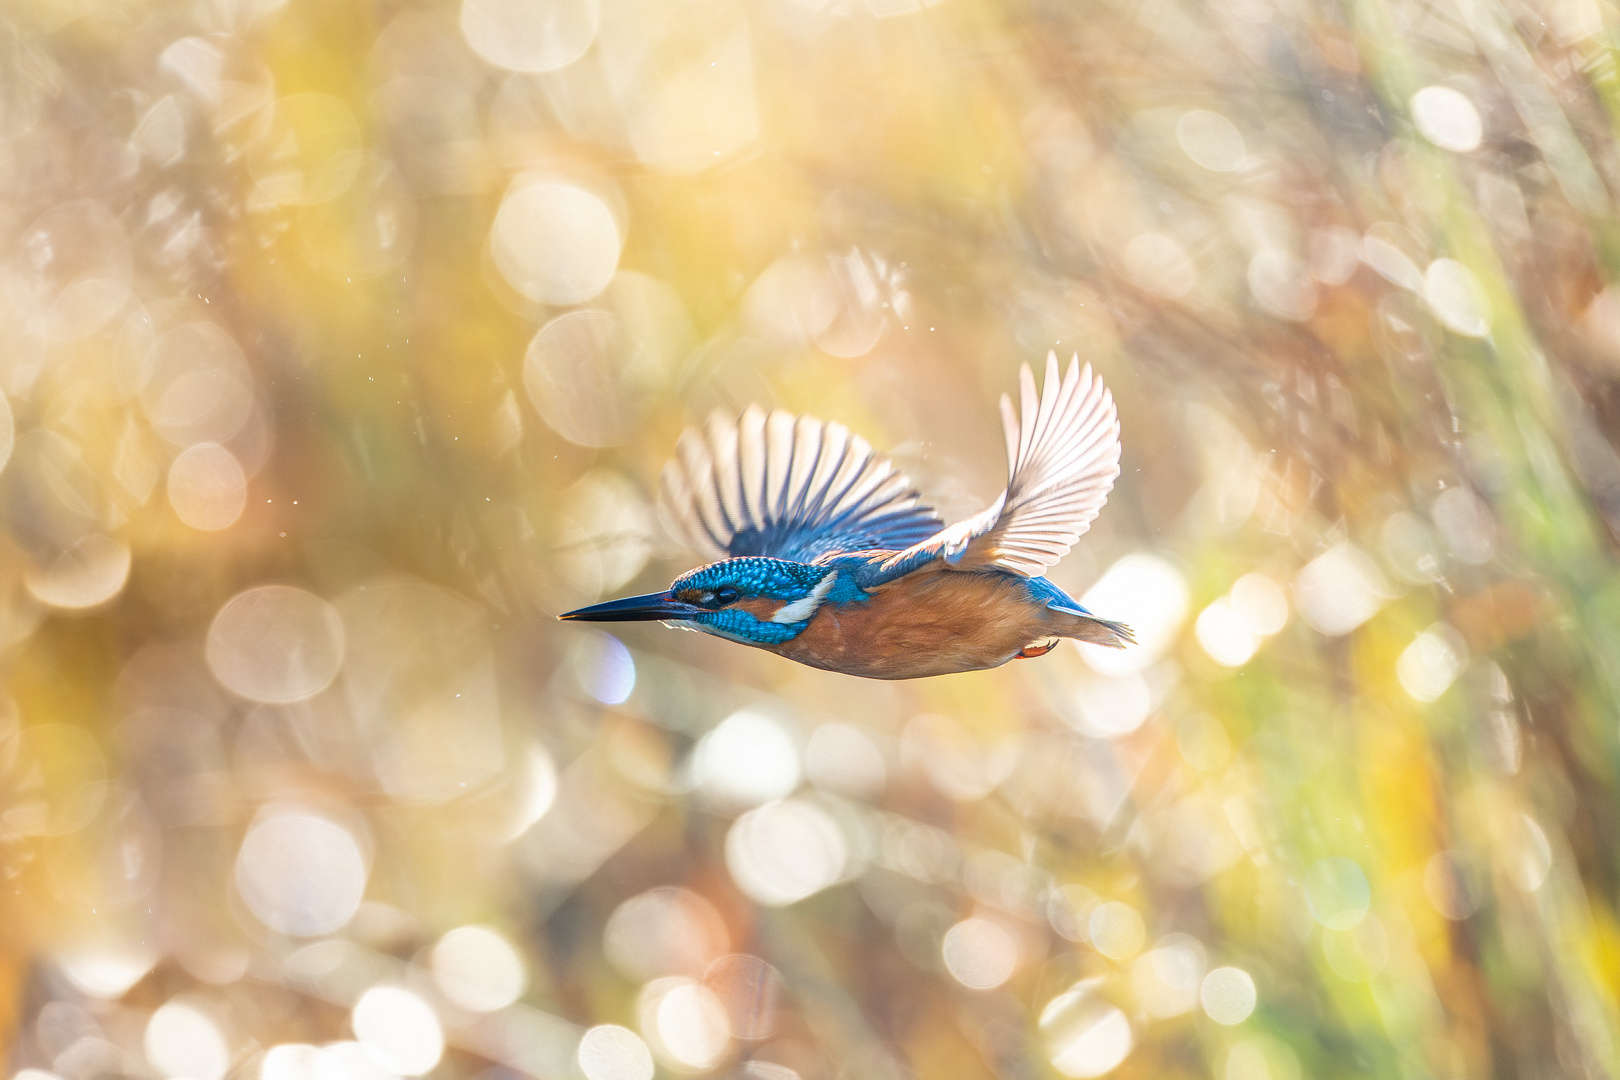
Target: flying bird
<point>826,557</point>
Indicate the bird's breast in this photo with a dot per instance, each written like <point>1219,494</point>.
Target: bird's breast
<point>928,623</point>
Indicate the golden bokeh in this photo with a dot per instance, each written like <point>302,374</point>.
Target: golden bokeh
<point>341,345</point>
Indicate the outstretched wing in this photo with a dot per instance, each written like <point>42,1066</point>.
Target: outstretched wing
<point>1062,459</point>
<point>787,486</point>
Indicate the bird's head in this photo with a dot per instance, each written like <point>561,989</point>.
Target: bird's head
<point>754,600</point>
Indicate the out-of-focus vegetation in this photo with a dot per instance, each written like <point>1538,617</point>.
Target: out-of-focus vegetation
<point>341,342</point>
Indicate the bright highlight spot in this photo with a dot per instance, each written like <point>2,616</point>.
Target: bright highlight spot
<point>665,931</point>
<point>843,760</point>
<point>605,668</point>
<point>1116,930</point>
<point>554,243</point>
<point>478,969</point>
<point>300,874</point>
<point>748,759</point>
<point>90,572</point>
<point>399,1030</point>
<point>979,954</point>
<point>1085,1035</point>
<point>782,852</point>
<point>1260,604</point>
<point>1149,593</point>
<point>1224,635</point>
<point>1228,995</point>
<point>1447,118</point>
<point>1339,590</point>
<point>1456,298</point>
<point>529,35</point>
<point>182,1042</point>
<point>684,1022</point>
<point>1165,980</point>
<point>1427,667</point>
<point>356,1061</point>
<point>276,644</point>
<point>207,487</point>
<point>1109,707</point>
<point>107,971</point>
<point>300,1061</point>
<point>611,1052</point>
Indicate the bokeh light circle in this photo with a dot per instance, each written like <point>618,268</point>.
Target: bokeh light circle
<point>664,931</point>
<point>478,969</point>
<point>611,1052</point>
<point>1154,593</point>
<point>1085,1035</point>
<point>1116,930</point>
<point>684,1023</point>
<point>276,644</point>
<point>580,375</point>
<point>554,242</point>
<point>1447,118</point>
<point>207,487</point>
<point>399,1030</point>
<point>784,851</point>
<point>979,953</point>
<point>184,1043</point>
<point>299,873</point>
<point>300,1061</point>
<point>530,35</point>
<point>1228,995</point>
<point>748,759</point>
<point>86,575</point>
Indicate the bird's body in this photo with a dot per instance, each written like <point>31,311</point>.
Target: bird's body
<point>935,622</point>
<point>832,563</point>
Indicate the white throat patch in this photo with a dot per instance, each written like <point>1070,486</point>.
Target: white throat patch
<point>802,609</point>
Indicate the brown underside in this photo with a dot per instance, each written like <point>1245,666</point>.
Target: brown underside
<point>934,622</point>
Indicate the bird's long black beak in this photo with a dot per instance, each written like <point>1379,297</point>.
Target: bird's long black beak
<point>648,608</point>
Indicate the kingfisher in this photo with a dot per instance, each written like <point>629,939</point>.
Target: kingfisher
<point>824,554</point>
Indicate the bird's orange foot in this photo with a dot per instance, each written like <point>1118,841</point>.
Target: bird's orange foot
<point>1030,652</point>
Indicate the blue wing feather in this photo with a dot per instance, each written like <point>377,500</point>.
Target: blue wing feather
<point>790,487</point>
<point>1044,592</point>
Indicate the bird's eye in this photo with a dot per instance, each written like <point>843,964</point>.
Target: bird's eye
<point>726,594</point>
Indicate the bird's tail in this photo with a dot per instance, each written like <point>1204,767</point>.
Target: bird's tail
<point>1100,631</point>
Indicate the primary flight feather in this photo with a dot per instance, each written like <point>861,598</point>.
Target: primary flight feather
<point>825,556</point>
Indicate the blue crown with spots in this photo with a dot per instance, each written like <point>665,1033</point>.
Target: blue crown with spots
<point>757,575</point>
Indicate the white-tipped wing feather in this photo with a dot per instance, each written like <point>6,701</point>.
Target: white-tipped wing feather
<point>788,486</point>
<point>1062,460</point>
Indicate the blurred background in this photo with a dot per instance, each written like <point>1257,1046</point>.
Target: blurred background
<point>341,344</point>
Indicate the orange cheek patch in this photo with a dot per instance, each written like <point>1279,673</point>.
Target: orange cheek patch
<point>760,607</point>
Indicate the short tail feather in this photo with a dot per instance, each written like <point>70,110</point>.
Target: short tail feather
<point>1101,632</point>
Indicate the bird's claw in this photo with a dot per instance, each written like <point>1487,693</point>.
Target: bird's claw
<point>1030,652</point>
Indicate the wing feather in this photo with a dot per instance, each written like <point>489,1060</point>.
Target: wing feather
<point>1062,460</point>
<point>792,487</point>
